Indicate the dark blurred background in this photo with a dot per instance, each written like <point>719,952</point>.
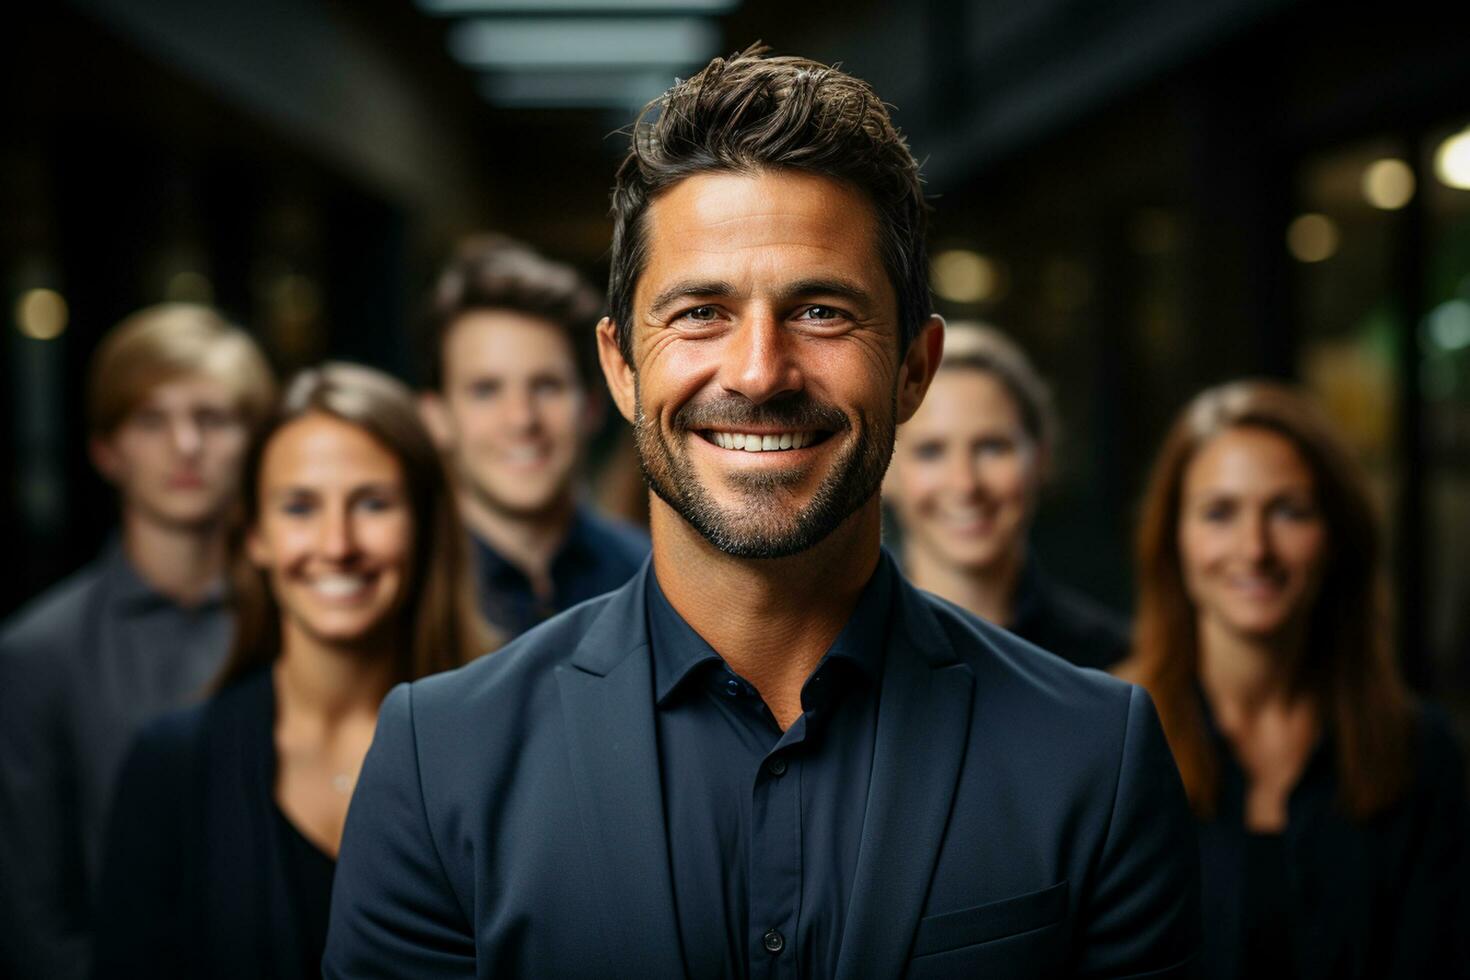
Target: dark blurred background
<point>1151,196</point>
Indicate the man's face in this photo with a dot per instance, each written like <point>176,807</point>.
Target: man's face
<point>513,412</point>
<point>767,379</point>
<point>176,458</point>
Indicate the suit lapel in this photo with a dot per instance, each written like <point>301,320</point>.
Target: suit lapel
<point>607,701</point>
<point>923,726</point>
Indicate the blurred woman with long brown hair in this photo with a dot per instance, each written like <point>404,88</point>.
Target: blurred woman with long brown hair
<point>350,577</point>
<point>1331,806</point>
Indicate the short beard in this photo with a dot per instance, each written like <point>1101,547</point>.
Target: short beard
<point>762,528</point>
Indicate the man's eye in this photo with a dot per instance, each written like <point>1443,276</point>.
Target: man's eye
<point>994,446</point>
<point>211,418</point>
<point>484,389</point>
<point>823,313</point>
<point>703,314</point>
<point>149,419</point>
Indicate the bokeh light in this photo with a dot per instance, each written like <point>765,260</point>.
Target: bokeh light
<point>1452,160</point>
<point>1388,184</point>
<point>963,276</point>
<point>1312,238</point>
<point>41,314</point>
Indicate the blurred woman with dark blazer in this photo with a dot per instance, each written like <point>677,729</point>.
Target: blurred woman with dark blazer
<point>1331,806</point>
<point>350,576</point>
<point>963,486</point>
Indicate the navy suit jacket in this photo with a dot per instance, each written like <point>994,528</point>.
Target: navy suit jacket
<point>1024,816</point>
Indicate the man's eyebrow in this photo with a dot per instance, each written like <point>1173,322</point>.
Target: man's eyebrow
<point>841,288</point>
<point>686,288</point>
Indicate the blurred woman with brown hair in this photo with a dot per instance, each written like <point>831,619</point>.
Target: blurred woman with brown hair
<point>1331,807</point>
<point>350,576</point>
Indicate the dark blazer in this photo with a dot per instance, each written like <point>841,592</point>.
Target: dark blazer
<point>194,881</point>
<point>1024,818</point>
<point>1385,899</point>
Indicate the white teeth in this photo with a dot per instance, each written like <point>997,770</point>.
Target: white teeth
<point>753,443</point>
<point>339,586</point>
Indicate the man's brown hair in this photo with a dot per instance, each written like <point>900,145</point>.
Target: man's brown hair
<point>494,272</point>
<point>749,113</point>
<point>163,343</point>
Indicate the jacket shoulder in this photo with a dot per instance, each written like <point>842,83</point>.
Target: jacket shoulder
<point>513,673</point>
<point>52,622</point>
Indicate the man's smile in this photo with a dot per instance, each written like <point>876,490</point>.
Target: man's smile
<point>756,442</point>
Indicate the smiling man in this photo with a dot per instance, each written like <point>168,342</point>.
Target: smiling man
<point>511,403</point>
<point>767,754</point>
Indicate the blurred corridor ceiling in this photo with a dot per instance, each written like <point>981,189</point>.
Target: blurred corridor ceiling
<point>569,54</point>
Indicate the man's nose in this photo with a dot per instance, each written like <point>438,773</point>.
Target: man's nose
<point>186,435</point>
<point>522,414</point>
<point>760,361</point>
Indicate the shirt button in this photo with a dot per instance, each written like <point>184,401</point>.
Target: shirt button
<point>732,687</point>
<point>776,767</point>
<point>773,941</point>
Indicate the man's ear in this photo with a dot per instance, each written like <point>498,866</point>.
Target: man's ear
<point>621,377</point>
<point>919,364</point>
<point>105,458</point>
<point>435,414</point>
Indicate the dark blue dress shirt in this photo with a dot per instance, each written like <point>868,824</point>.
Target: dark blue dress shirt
<point>764,825</point>
<point>597,556</point>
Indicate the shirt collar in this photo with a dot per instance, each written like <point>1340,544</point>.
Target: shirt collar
<point>130,591</point>
<point>495,568</point>
<point>678,651</point>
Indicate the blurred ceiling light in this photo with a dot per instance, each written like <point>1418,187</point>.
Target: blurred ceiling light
<point>452,8</point>
<point>1312,238</point>
<point>1388,184</point>
<point>584,42</point>
<point>41,314</point>
<point>575,89</point>
<point>1452,160</point>
<point>962,276</point>
<point>1449,325</point>
<point>189,287</point>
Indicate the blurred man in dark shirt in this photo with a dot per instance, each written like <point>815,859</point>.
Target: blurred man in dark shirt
<point>512,404</point>
<point>173,395</point>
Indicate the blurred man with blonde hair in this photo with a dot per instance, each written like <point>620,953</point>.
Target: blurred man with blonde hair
<point>173,394</point>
